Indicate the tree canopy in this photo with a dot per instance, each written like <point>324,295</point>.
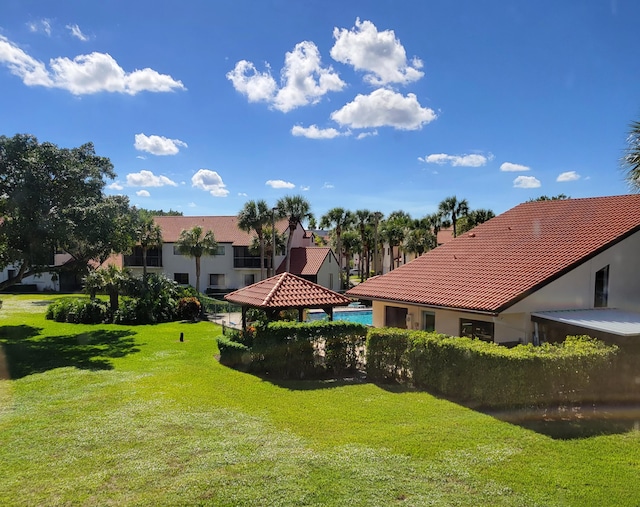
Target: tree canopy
<point>52,199</point>
<point>631,158</point>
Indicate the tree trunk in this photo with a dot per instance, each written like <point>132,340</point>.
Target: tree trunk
<point>198,274</point>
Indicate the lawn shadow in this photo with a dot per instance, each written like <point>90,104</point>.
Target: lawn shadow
<point>26,351</point>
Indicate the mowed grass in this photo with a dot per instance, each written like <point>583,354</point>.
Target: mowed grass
<point>126,415</point>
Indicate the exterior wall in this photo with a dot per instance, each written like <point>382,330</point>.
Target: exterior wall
<point>42,281</point>
<point>329,274</point>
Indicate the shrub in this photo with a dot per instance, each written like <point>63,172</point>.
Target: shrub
<point>232,353</point>
<point>78,311</point>
<point>488,374</point>
<point>189,308</point>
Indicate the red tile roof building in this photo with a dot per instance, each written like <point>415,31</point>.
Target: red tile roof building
<point>502,262</point>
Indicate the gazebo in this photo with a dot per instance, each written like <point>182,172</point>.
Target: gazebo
<point>283,292</point>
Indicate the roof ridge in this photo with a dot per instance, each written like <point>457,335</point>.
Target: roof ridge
<point>276,286</point>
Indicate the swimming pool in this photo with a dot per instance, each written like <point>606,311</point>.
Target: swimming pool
<point>361,316</point>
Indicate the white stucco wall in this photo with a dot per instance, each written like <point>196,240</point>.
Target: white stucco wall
<point>329,274</point>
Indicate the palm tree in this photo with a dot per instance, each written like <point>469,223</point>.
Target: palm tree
<point>110,280</point>
<point>362,218</point>
<point>268,240</point>
<point>295,209</point>
<point>255,216</point>
<point>149,235</point>
<point>375,219</point>
<point>631,158</point>
<point>452,208</point>
<point>339,219</point>
<point>419,239</point>
<point>193,244</point>
<point>393,231</point>
<point>475,218</point>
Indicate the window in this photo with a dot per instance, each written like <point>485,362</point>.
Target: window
<point>242,258</point>
<point>154,257</point>
<point>601,297</point>
<point>181,278</point>
<point>249,279</point>
<point>220,250</point>
<point>216,280</point>
<point>395,316</point>
<point>479,329</point>
<point>428,321</point>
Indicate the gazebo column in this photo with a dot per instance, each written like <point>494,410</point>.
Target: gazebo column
<point>300,314</point>
<point>329,311</point>
<point>244,318</point>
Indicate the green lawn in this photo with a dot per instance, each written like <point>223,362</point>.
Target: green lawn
<point>123,415</point>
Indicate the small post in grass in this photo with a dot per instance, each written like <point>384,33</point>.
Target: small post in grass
<point>181,337</point>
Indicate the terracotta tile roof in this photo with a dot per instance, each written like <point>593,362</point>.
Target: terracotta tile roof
<point>225,228</point>
<point>306,260</point>
<point>501,261</point>
<point>287,291</point>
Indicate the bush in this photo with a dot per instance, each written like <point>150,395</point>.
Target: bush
<point>189,308</point>
<point>488,374</point>
<point>233,354</point>
<point>78,311</point>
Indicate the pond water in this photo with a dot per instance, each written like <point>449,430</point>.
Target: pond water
<point>361,316</point>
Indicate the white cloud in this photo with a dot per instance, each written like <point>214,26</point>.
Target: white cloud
<point>384,108</point>
<point>210,181</point>
<point>279,184</point>
<point>313,132</point>
<point>305,188</point>
<point>192,205</point>
<point>148,179</point>
<point>158,145</point>
<point>115,186</point>
<point>568,176</point>
<point>304,80</point>
<point>44,25</point>
<point>243,194</point>
<point>258,87</point>
<point>85,74</point>
<point>526,182</point>
<point>362,135</point>
<point>143,193</point>
<point>328,185</point>
<point>77,33</point>
<point>379,54</point>
<point>472,160</point>
<point>509,167</point>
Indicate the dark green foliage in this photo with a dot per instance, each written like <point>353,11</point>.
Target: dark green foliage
<point>232,353</point>
<point>488,374</point>
<point>303,350</point>
<point>78,311</point>
<point>189,308</point>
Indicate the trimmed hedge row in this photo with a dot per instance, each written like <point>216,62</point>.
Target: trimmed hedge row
<point>488,374</point>
<point>298,350</point>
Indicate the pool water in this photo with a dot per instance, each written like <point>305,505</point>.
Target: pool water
<point>360,316</point>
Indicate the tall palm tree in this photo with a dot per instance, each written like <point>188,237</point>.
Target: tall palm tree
<point>255,216</point>
<point>193,243</point>
<point>475,218</point>
<point>393,231</point>
<point>268,240</point>
<point>452,208</point>
<point>350,244</point>
<point>149,235</point>
<point>375,219</point>
<point>339,219</point>
<point>362,217</point>
<point>295,209</point>
<point>631,158</point>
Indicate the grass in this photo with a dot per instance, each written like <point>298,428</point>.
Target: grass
<point>124,415</point>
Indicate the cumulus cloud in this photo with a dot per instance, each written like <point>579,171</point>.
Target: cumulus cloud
<point>85,74</point>
<point>327,185</point>
<point>313,132</point>
<point>526,182</point>
<point>158,145</point>
<point>116,185</point>
<point>148,179</point>
<point>363,135</point>
<point>305,188</point>
<point>384,108</point>
<point>304,80</point>
<point>279,184</point>
<point>568,176</point>
<point>143,193</point>
<point>472,160</point>
<point>379,54</point>
<point>509,167</point>
<point>210,181</point>
<point>77,33</point>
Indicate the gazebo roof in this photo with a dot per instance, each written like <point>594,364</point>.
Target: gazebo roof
<point>287,291</point>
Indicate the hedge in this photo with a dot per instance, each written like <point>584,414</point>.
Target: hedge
<point>302,350</point>
<point>490,375</point>
<point>233,354</point>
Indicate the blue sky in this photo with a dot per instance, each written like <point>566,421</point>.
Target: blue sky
<point>385,105</point>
